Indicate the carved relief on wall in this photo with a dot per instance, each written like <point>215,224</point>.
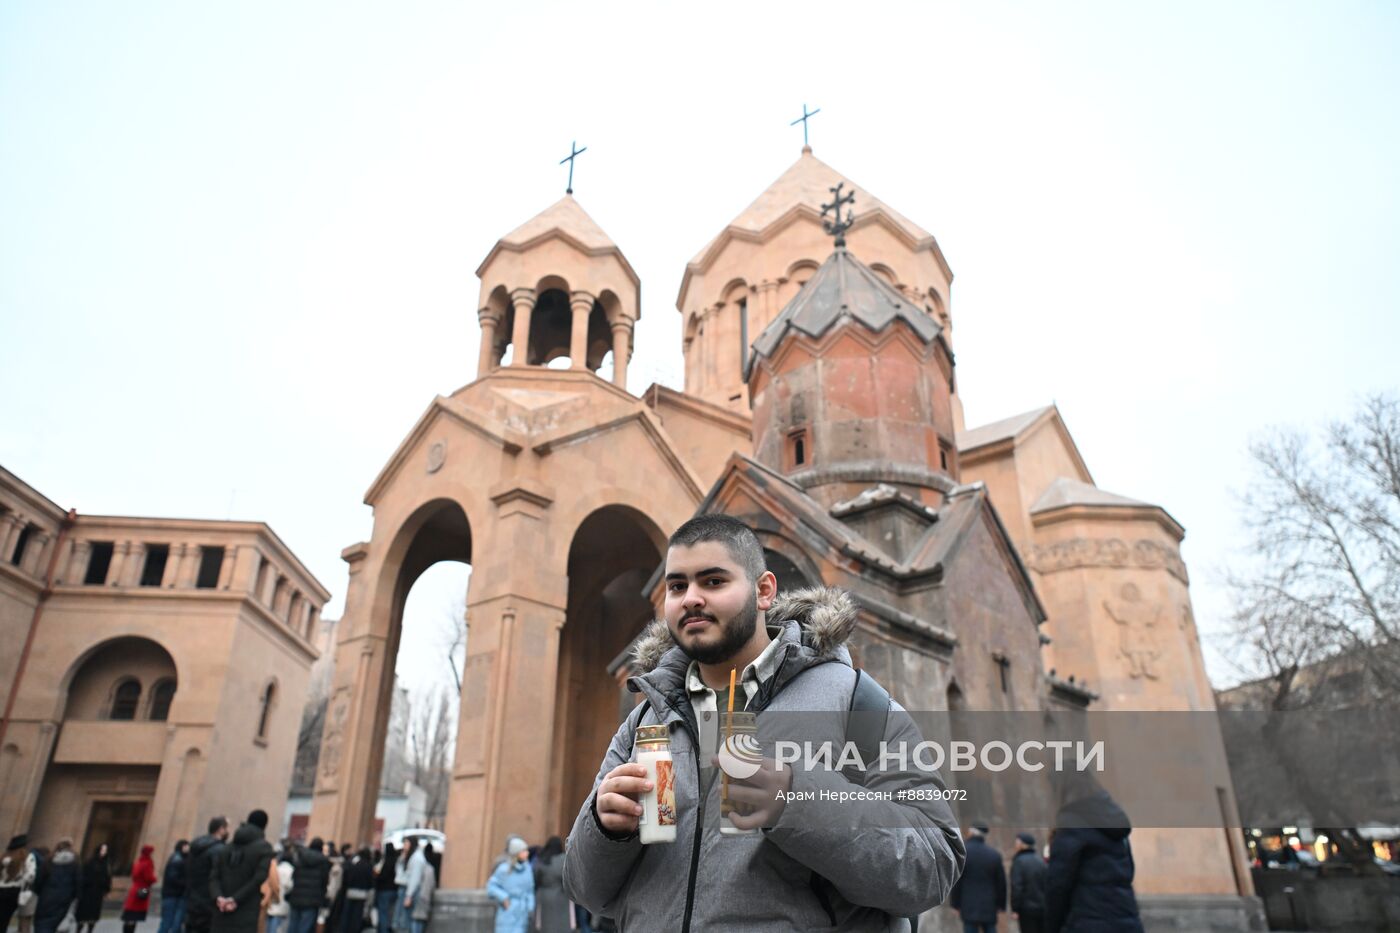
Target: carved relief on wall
<point>1138,637</point>
<point>332,747</point>
<point>1106,552</point>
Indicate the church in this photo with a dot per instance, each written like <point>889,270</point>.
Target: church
<point>821,406</point>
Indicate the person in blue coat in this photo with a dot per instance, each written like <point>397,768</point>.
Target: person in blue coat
<point>512,887</point>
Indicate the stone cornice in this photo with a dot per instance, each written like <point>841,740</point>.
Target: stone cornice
<point>657,395</point>
<point>595,251</point>
<point>1110,513</point>
<point>791,216</point>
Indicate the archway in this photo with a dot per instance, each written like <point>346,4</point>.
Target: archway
<point>613,553</point>
<point>116,696</point>
<point>417,688</point>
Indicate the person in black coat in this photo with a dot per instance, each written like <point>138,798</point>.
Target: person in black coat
<point>97,881</point>
<point>236,882</point>
<point>358,885</point>
<point>1028,885</point>
<point>311,871</point>
<point>980,894</point>
<point>199,867</point>
<point>60,880</point>
<point>1089,881</point>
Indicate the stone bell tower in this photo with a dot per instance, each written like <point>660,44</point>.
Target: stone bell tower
<point>557,286</point>
<point>554,484</point>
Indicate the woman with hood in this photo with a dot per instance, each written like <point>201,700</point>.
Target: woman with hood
<point>138,899</point>
<point>512,887</point>
<point>549,888</point>
<point>385,887</point>
<point>1089,880</point>
<point>18,866</point>
<point>58,888</point>
<point>97,881</point>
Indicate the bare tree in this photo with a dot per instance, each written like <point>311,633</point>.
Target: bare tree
<point>452,638</point>
<point>1317,613</point>
<point>432,739</point>
<point>1325,585</point>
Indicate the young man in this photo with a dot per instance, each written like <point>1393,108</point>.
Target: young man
<point>199,904</point>
<point>981,891</point>
<point>804,869</point>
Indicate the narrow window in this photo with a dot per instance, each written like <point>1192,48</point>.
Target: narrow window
<point>25,534</point>
<point>99,562</point>
<point>797,449</point>
<point>211,561</point>
<point>126,699</point>
<point>161,698</point>
<point>269,692</point>
<point>743,335</point>
<point>943,459</point>
<point>1003,667</point>
<point>154,570</point>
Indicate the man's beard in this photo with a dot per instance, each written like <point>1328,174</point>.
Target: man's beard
<point>734,635</point>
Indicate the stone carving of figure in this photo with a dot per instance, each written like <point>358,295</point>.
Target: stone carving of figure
<point>1137,631</point>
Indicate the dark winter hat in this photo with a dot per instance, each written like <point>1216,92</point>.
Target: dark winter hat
<point>258,818</point>
<point>1027,838</point>
<point>18,842</point>
<point>982,828</point>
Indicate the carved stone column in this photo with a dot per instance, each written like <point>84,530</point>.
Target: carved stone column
<point>78,562</point>
<point>489,320</point>
<point>10,525</point>
<point>226,571</point>
<point>120,552</point>
<point>35,553</point>
<point>523,299</point>
<point>622,349</point>
<point>581,303</point>
<point>174,563</point>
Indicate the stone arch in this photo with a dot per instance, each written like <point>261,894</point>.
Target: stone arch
<point>93,678</point>
<point>437,530</point>
<point>734,290</point>
<point>613,551</point>
<point>498,306</point>
<point>886,273</point>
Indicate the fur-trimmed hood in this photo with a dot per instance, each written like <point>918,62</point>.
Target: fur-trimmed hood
<point>822,619</point>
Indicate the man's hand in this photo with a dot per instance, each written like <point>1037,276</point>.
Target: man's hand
<point>227,904</point>
<point>505,904</point>
<point>759,795</point>
<point>618,809</point>
<point>408,902</point>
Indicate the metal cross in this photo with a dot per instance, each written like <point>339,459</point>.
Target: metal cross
<point>576,151</point>
<point>836,226</point>
<point>803,120</point>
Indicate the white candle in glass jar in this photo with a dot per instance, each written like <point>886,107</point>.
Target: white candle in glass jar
<point>658,820</point>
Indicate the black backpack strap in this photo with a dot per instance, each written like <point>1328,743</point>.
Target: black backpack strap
<point>642,708</point>
<point>867,730</point>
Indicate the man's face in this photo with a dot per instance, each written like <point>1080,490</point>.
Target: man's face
<point>711,606</point>
<point>223,832</point>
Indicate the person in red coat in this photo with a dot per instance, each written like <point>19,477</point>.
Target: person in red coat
<point>138,899</point>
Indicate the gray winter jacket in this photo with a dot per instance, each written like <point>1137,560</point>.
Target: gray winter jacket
<point>801,874</point>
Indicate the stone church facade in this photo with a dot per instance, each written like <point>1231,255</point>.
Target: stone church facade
<point>154,672</point>
<point>821,405</point>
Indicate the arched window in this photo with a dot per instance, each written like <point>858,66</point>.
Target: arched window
<point>126,698</point>
<point>269,695</point>
<point>161,696</point>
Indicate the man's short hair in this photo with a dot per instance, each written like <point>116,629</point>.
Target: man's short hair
<point>217,823</point>
<point>258,818</point>
<point>737,538</point>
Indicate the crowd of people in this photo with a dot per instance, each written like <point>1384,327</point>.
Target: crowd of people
<point>225,881</point>
<point>1085,882</point>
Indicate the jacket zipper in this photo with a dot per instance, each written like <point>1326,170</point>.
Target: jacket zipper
<point>699,815</point>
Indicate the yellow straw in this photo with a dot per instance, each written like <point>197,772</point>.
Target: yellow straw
<point>729,727</point>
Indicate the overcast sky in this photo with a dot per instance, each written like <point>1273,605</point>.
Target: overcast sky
<point>237,240</point>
